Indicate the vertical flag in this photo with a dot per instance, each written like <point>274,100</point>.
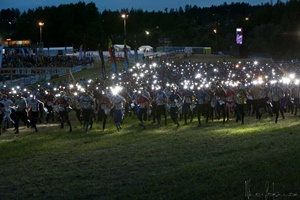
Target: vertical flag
<point>80,52</point>
<point>84,45</point>
<point>1,51</point>
<point>23,52</point>
<point>102,61</point>
<point>73,49</point>
<point>126,64</point>
<point>135,50</point>
<point>111,51</point>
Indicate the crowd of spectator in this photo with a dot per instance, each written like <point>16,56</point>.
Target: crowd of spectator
<point>21,61</point>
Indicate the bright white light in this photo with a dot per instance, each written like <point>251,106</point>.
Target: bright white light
<point>292,76</point>
<point>115,90</point>
<point>260,80</point>
<point>285,80</point>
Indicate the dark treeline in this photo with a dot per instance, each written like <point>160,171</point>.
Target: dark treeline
<point>272,29</point>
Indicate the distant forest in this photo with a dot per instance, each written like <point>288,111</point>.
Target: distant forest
<point>271,29</point>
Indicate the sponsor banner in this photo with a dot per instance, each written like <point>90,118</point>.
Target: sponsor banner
<point>62,72</point>
<point>21,82</point>
<point>42,77</point>
<point>23,71</point>
<point>27,81</point>
<point>53,71</point>
<point>76,69</point>
<point>33,80</point>
<point>14,83</point>
<point>48,77</point>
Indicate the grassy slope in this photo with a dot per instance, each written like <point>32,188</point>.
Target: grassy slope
<point>161,162</point>
<point>211,161</point>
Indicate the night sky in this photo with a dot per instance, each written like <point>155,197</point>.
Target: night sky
<point>114,5</point>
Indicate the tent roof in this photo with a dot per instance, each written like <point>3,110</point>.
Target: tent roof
<point>145,47</point>
<point>121,46</point>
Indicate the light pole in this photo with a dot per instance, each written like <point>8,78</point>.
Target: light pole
<point>147,34</point>
<point>8,45</point>
<point>215,31</point>
<point>41,24</point>
<point>10,27</point>
<point>124,16</point>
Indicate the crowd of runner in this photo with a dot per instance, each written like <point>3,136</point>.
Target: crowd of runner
<point>154,93</point>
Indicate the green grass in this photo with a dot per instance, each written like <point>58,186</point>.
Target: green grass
<point>161,162</point>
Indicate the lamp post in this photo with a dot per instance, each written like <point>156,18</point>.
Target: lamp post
<point>10,23</point>
<point>41,24</point>
<point>124,16</point>
<point>147,34</point>
<point>8,45</point>
<point>8,40</point>
<point>215,31</point>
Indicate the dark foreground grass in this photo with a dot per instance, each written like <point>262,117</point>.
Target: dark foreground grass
<point>161,162</point>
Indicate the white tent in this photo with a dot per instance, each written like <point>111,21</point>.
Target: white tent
<point>146,48</point>
<point>120,47</point>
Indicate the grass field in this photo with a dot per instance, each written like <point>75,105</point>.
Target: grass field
<point>221,58</point>
<point>162,162</point>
